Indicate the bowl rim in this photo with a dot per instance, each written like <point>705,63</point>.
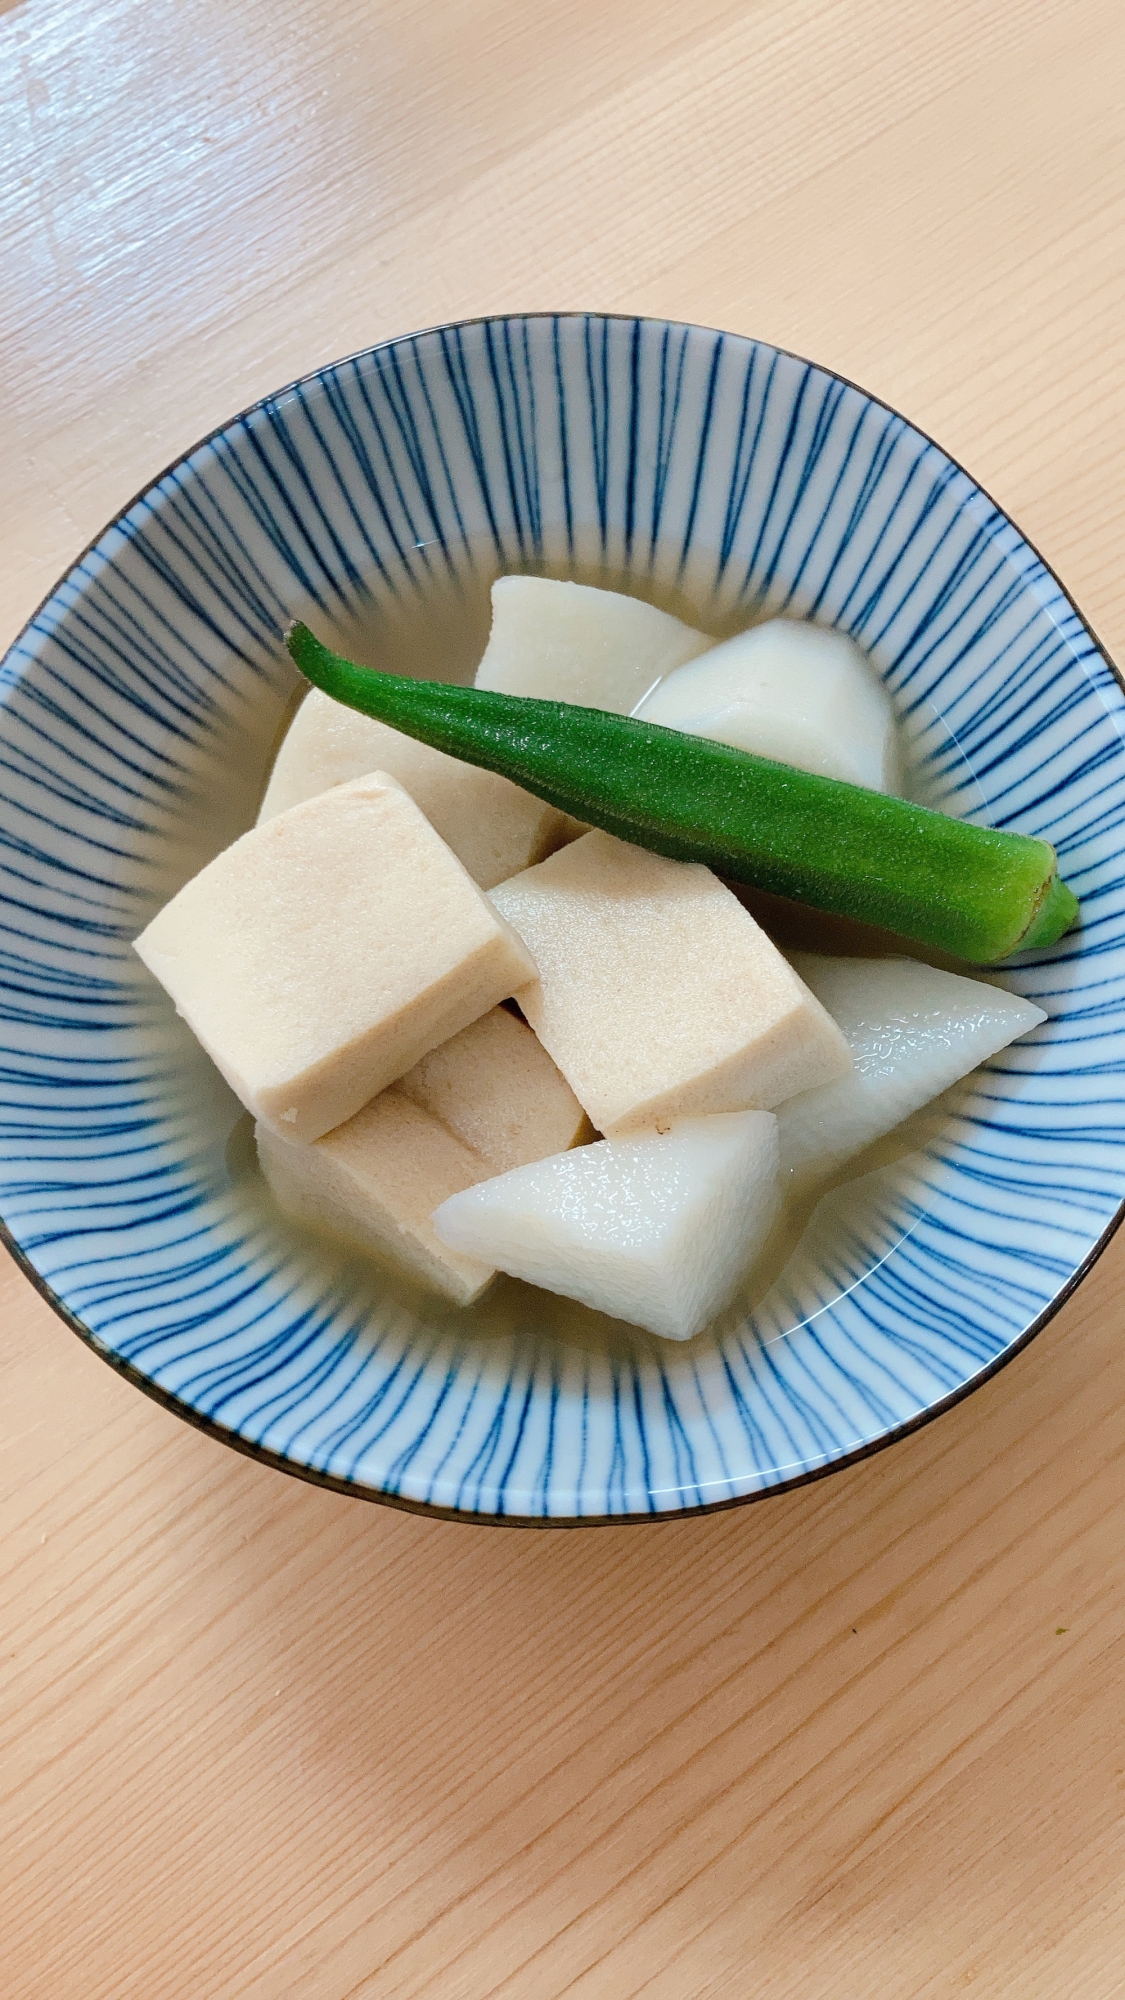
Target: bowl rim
<point>357,1489</point>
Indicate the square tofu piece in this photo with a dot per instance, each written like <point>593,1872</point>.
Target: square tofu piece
<point>493,827</point>
<point>325,952</point>
<point>486,1101</point>
<point>495,1086</point>
<point>375,1182</point>
<point>657,994</point>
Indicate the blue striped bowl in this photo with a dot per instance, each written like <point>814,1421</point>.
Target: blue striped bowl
<point>379,498</point>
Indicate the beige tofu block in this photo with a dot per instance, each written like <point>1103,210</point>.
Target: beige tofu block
<point>657,994</point>
<point>496,1088</point>
<point>487,1100</point>
<point>374,1183</point>
<point>494,828</point>
<point>327,951</point>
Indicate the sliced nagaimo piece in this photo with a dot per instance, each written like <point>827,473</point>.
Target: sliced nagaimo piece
<point>657,1230</point>
<point>657,995</point>
<point>495,1086</point>
<point>373,1183</point>
<point>488,1100</point>
<point>913,1032</point>
<point>570,642</point>
<point>493,827</point>
<point>325,952</point>
<point>791,691</point>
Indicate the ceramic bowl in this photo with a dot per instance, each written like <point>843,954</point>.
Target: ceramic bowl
<point>379,498</point>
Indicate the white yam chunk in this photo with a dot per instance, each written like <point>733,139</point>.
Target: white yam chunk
<point>657,994</point>
<point>327,951</point>
<point>657,1230</point>
<point>913,1031</point>
<point>570,642</point>
<point>496,1088</point>
<point>494,827</point>
<point>373,1184</point>
<point>792,691</point>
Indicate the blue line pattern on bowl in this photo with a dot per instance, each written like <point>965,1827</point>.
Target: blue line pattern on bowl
<point>139,711</point>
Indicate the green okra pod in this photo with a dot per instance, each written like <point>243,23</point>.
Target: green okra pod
<point>977,892</point>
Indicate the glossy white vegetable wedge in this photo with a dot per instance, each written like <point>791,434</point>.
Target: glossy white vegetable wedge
<point>570,642</point>
<point>913,1031</point>
<point>787,690</point>
<point>657,1230</point>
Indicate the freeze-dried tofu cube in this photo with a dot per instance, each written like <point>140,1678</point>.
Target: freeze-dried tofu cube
<point>326,951</point>
<point>496,1087</point>
<point>485,1101</point>
<point>493,826</point>
<point>657,994</point>
<point>374,1183</point>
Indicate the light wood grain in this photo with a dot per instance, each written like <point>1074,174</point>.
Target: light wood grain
<point>865,1739</point>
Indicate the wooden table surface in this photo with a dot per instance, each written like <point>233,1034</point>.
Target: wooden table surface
<point>862,1740</point>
